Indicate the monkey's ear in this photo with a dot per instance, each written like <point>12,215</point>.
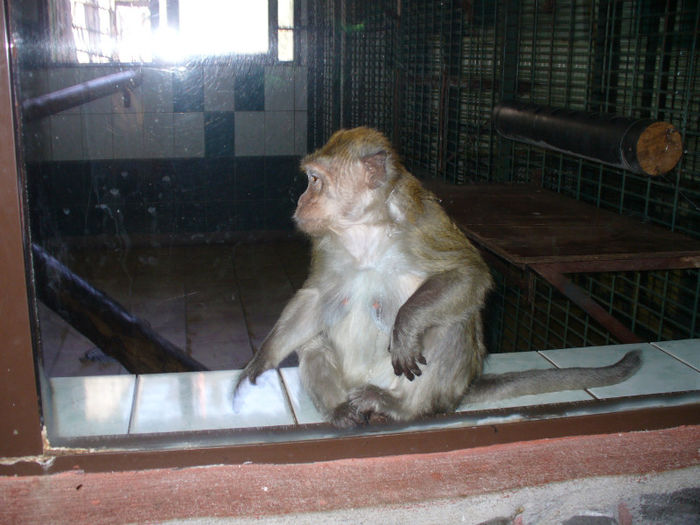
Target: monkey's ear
<point>375,166</point>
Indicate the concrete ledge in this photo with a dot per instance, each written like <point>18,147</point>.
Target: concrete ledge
<point>256,490</point>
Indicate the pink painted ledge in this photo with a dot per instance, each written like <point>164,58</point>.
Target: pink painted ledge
<point>258,490</point>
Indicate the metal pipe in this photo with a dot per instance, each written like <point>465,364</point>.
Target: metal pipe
<point>66,98</point>
<point>639,145</point>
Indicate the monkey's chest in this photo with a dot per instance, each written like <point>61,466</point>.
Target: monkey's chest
<point>360,313</point>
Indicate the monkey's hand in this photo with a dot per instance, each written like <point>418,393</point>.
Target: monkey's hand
<point>406,352</point>
<point>255,367</point>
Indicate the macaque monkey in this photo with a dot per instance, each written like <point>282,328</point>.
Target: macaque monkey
<point>388,325</point>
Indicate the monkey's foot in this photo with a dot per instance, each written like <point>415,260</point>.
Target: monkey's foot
<point>346,415</point>
<point>365,405</point>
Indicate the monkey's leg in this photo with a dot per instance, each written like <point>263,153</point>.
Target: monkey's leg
<point>344,406</point>
<point>323,380</point>
<point>439,301</point>
<point>297,324</point>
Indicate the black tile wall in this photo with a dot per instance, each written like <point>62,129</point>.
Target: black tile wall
<point>181,196</point>
<point>219,134</point>
<point>188,90</point>
<point>249,89</point>
<point>283,178</point>
<point>222,179</point>
<point>250,177</point>
<point>222,216</point>
<point>250,215</point>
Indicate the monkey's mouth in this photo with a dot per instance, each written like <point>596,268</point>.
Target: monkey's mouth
<point>310,226</point>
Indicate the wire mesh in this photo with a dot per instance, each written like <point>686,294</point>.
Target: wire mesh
<point>452,61</point>
<point>368,81</point>
<point>324,67</point>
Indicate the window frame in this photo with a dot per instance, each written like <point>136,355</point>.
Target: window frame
<point>25,449</point>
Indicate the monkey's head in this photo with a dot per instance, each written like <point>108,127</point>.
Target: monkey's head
<point>349,179</point>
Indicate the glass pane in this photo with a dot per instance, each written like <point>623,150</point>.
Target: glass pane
<point>169,190</point>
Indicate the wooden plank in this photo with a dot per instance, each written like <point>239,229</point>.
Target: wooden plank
<point>527,226</point>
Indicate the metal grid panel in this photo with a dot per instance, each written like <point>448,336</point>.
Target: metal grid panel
<point>368,80</point>
<point>637,59</point>
<point>449,59</point>
<point>630,58</point>
<point>324,62</point>
<point>655,305</point>
<point>541,318</point>
<point>421,62</point>
<point>454,60</point>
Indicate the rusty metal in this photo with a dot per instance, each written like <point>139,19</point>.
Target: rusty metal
<point>579,296</point>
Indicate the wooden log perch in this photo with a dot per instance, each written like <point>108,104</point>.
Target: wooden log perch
<point>638,145</point>
<point>128,339</point>
<point>57,101</point>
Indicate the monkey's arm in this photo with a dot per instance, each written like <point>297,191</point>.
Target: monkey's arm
<point>297,324</point>
<point>442,299</point>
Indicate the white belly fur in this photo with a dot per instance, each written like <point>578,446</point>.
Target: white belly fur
<point>360,335</point>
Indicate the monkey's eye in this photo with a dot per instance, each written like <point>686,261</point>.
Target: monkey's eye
<point>314,179</point>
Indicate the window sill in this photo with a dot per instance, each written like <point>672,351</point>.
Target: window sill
<point>167,411</point>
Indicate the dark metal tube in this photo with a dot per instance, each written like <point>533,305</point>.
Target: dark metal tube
<point>57,101</point>
<point>638,145</point>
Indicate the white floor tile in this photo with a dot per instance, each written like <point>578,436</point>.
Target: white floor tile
<point>513,362</point>
<point>90,406</point>
<point>204,400</point>
<point>304,408</point>
<point>687,350</point>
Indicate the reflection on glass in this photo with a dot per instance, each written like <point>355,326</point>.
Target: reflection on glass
<point>171,193</point>
<point>103,31</point>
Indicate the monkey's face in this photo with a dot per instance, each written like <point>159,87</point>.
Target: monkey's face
<point>336,197</point>
<point>313,209</point>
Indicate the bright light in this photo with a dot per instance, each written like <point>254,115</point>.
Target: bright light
<point>207,28</point>
<point>219,27</point>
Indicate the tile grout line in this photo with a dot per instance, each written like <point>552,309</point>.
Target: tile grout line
<point>668,353</point>
<point>134,402</point>
<point>287,396</point>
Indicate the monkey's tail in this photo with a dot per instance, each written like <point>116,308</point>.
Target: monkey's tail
<point>491,387</point>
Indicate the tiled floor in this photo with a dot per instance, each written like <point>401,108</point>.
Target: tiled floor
<point>125,404</point>
<point>216,302</point>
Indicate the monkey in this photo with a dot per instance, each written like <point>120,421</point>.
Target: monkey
<point>388,325</point>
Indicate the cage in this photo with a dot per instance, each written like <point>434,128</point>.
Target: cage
<point>445,65</point>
